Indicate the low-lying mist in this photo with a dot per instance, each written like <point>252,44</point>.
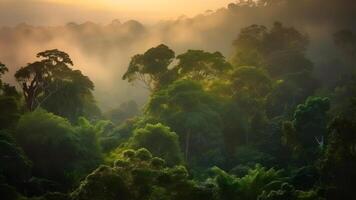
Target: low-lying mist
<point>103,52</point>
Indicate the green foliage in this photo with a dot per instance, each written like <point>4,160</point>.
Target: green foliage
<point>143,154</point>
<point>339,162</point>
<point>125,111</point>
<point>15,167</point>
<point>201,65</point>
<point>248,187</point>
<point>115,138</point>
<point>51,83</point>
<point>264,107</point>
<point>55,147</point>
<point>35,77</point>
<point>314,110</point>
<point>9,102</point>
<point>192,113</point>
<point>9,111</point>
<point>251,80</point>
<point>109,135</point>
<point>250,156</point>
<point>102,184</point>
<point>136,176</point>
<point>258,180</point>
<point>307,132</point>
<point>281,50</point>
<point>89,148</point>
<point>235,126</point>
<point>129,153</point>
<point>159,140</point>
<point>158,162</point>
<point>248,46</point>
<point>287,191</point>
<point>151,68</point>
<point>71,99</point>
<point>289,92</point>
<point>49,141</point>
<point>305,178</point>
<point>250,86</point>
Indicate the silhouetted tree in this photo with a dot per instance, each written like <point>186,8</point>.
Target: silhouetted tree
<point>37,77</point>
<point>3,69</point>
<point>51,83</point>
<point>281,50</point>
<point>201,65</point>
<point>151,68</point>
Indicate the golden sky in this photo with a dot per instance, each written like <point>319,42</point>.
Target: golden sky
<point>56,12</point>
<point>161,8</point>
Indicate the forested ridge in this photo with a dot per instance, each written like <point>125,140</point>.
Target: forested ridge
<point>257,126</point>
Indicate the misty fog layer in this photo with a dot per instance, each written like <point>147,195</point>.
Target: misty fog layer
<point>103,51</point>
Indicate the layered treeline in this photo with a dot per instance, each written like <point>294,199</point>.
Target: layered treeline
<point>257,126</point>
<point>102,50</point>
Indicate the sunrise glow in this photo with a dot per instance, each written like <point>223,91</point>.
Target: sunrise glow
<point>160,8</point>
<point>177,99</point>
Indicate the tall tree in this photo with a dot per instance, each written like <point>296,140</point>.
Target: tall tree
<point>37,77</point>
<point>73,98</point>
<point>52,84</point>
<point>199,65</point>
<point>281,50</point>
<point>307,132</point>
<point>250,86</point>
<point>193,114</point>
<point>151,68</point>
